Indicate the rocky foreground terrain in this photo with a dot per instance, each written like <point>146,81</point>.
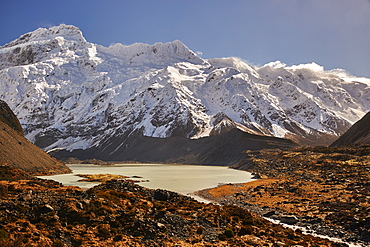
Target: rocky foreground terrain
<point>325,190</point>
<point>36,212</point>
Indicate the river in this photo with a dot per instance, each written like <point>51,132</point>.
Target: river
<point>184,179</point>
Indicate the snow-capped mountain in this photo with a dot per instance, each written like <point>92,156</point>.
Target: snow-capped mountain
<point>75,95</point>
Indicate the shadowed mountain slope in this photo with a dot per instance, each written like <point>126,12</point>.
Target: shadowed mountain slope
<point>359,133</point>
<point>224,149</point>
<point>7,116</point>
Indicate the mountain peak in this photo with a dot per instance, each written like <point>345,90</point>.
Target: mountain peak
<point>159,53</point>
<point>66,31</point>
<point>73,94</point>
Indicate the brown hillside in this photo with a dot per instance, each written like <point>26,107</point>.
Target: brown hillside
<point>359,133</point>
<point>7,116</point>
<point>17,152</point>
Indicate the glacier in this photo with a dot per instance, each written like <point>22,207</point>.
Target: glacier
<point>71,94</point>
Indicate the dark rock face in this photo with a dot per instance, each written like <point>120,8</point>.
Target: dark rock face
<point>288,219</point>
<point>162,195</point>
<point>224,149</point>
<point>359,133</point>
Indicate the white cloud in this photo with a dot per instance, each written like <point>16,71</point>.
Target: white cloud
<point>47,24</point>
<point>199,53</point>
<point>310,66</point>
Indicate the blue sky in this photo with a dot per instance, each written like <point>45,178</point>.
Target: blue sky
<point>332,33</point>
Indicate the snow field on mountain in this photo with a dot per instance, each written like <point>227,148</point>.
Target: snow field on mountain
<point>69,93</point>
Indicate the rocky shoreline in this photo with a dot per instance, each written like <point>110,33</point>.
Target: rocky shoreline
<point>324,190</point>
<point>309,225</point>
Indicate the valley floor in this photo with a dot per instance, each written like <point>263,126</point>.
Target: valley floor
<point>36,212</point>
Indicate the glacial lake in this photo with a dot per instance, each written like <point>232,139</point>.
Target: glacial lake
<point>183,179</point>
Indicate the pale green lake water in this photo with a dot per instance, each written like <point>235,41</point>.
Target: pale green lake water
<point>184,179</point>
